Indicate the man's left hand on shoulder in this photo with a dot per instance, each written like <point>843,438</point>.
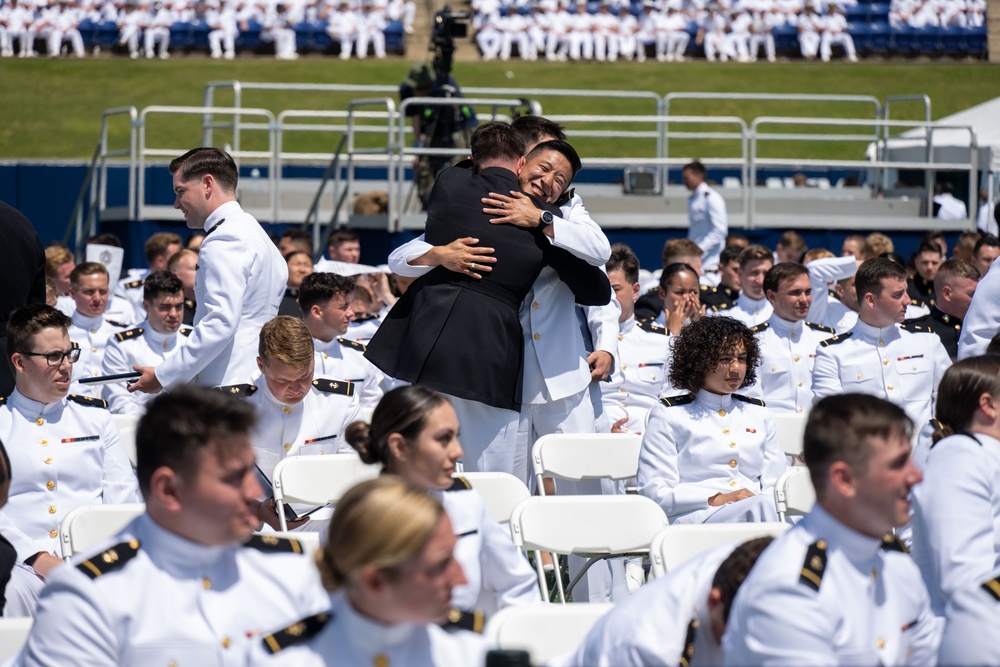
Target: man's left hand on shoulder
<point>600,363</point>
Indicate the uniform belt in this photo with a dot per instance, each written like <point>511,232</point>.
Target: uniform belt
<point>494,291</point>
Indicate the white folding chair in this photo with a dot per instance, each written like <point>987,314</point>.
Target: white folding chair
<point>501,492</point>
<point>13,634</point>
<point>317,480</point>
<point>791,427</point>
<point>593,527</point>
<point>544,631</point>
<point>579,456</point>
<point>309,540</point>
<point>793,493</point>
<point>127,425</point>
<point>678,543</point>
<point>88,525</point>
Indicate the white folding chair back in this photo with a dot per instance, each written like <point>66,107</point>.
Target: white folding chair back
<point>88,525</point>
<point>594,527</point>
<point>544,631</point>
<point>791,428</point>
<point>501,492</point>
<point>678,543</point>
<point>317,480</point>
<point>308,540</point>
<point>793,493</point>
<point>579,456</point>
<point>13,634</point>
<point>127,425</point>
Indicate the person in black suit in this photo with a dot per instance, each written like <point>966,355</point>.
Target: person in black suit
<point>22,273</point>
<point>460,335</point>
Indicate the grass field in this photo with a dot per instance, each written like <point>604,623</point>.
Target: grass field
<point>52,109</point>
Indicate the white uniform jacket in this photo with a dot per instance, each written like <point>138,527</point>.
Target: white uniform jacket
<point>822,594</point>
<point>345,359</point>
<point>982,321</point>
<point>239,283</point>
<point>696,446</point>
<point>151,597</point>
<point>970,637</point>
<point>709,224</point>
<point>787,352</point>
<point>91,334</point>
<point>62,455</point>
<point>640,376</point>
<point>750,312</point>
<point>142,346</point>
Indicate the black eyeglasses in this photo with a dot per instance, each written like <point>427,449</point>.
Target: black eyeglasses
<point>56,358</point>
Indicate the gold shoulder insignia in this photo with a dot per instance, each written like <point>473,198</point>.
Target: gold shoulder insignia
<point>757,328</point>
<point>839,338</point>
<point>721,306</point>
<point>296,632</point>
<point>135,283</point>
<point>892,543</point>
<point>237,390</point>
<point>74,345</point>
<point>993,588</point>
<point>671,401</point>
<point>344,387</point>
<point>273,544</point>
<point>131,333</point>
<point>89,401</point>
<point>352,343</point>
<point>821,327</point>
<point>812,569</point>
<point>3,400</point>
<point>652,327</point>
<point>907,326</point>
<point>749,399</point>
<point>110,560</point>
<point>120,325</point>
<point>460,484</point>
<point>185,331</point>
<point>473,621</point>
<point>688,651</point>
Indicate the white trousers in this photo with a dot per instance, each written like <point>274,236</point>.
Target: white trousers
<point>489,436</point>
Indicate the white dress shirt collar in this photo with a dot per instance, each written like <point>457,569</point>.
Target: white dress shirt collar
<point>784,327</point>
<point>230,208</point>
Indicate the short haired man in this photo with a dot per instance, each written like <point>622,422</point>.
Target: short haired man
<point>790,248</point>
<point>723,296</point>
<point>853,246</point>
<point>640,378</point>
<point>787,341</point>
<point>295,239</point>
<point>679,618</point>
<point>159,248</point>
<point>158,337</point>
<point>240,279</point>
<point>838,588</point>
<point>752,307</point>
<point>186,581</point>
<point>64,448</point>
<point>344,250</point>
<point>89,329</point>
<point>184,265</point>
<point>921,286</point>
<point>901,363</point>
<point>987,249</point>
<point>300,413</point>
<point>966,245</point>
<point>842,312</point>
<point>325,300</point>
<point>707,218</point>
<point>954,286</point>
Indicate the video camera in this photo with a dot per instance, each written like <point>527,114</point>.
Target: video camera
<point>447,26</point>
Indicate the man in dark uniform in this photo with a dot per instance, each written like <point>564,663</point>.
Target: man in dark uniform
<point>954,285</point>
<point>920,287</point>
<point>460,335</point>
<point>22,272</point>
<point>725,294</point>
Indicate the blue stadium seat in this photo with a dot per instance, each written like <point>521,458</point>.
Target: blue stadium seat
<point>877,40</point>
<point>395,38</point>
<point>878,12</point>
<point>951,40</point>
<point>99,33</point>
<point>859,33</point>
<point>857,13</point>
<point>786,40</point>
<point>974,41</point>
<point>902,40</point>
<point>927,41</point>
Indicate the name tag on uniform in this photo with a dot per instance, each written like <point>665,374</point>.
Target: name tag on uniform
<point>320,439</point>
<point>84,438</point>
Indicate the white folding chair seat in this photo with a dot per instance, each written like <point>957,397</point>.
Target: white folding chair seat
<point>317,480</point>
<point>580,456</point>
<point>790,429</point>
<point>593,527</point>
<point>13,634</point>
<point>678,543</point>
<point>500,491</point>
<point>88,525</point>
<point>544,631</point>
<point>793,493</point>
<point>127,426</point>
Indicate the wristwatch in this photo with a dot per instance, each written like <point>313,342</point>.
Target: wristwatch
<point>544,220</point>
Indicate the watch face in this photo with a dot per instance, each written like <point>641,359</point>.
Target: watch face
<point>546,218</point>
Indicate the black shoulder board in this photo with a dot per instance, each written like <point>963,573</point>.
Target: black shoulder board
<point>909,326</point>
<point>89,401</point>
<point>344,387</point>
<point>3,400</point>
<point>120,325</point>
<point>369,316</point>
<point>237,390</point>
<point>993,588</point>
<point>296,632</point>
<point>892,543</point>
<point>74,345</point>
<point>749,399</point>
<point>135,283</point>
<point>652,327</point>
<point>460,484</point>
<point>812,569</point>
<point>185,331</point>
<point>688,651</point>
<point>706,288</point>
<point>352,343</point>
<point>839,338</point>
<point>473,621</point>
<point>273,544</point>
<point>821,327</point>
<point>565,197</point>
<point>214,227</point>
<point>110,560</point>
<point>131,333</point>
<point>721,306</point>
<point>757,328</point>
<point>671,401</point>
